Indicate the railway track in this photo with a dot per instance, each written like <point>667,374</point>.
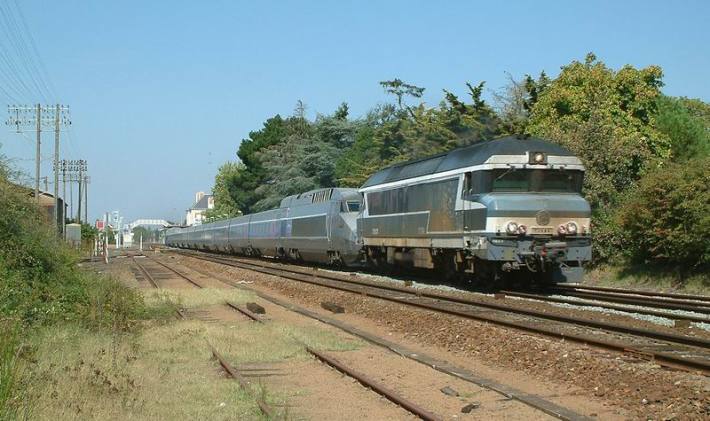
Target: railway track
<point>669,350</point>
<point>264,407</point>
<point>674,307</point>
<point>531,400</point>
<point>632,298</point>
<point>664,295</point>
<point>597,302</point>
<point>152,271</point>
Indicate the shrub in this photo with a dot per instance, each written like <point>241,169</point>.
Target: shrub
<point>666,220</point>
<point>9,394</point>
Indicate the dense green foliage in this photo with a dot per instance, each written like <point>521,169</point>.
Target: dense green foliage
<point>687,125</point>
<point>39,280</point>
<point>41,285</point>
<point>607,118</point>
<point>617,121</point>
<point>667,218</point>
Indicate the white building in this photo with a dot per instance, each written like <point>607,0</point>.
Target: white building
<point>196,213</point>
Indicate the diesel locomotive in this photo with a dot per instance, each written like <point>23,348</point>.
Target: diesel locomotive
<point>500,209</point>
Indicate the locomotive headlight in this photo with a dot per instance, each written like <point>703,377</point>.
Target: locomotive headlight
<point>562,229</point>
<point>511,227</point>
<point>539,158</point>
<point>571,228</point>
<point>522,229</point>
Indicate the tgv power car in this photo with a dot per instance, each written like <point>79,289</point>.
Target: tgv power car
<point>317,226</point>
<point>506,205</point>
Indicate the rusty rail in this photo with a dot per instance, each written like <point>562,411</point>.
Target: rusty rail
<point>243,383</point>
<point>375,386</point>
<point>178,273</point>
<point>147,275</point>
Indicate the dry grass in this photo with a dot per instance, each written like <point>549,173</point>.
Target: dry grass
<point>194,298</point>
<point>649,279</point>
<point>164,373</point>
<point>166,370</point>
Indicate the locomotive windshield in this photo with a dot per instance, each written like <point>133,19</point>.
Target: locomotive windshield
<point>523,180</point>
<point>351,206</point>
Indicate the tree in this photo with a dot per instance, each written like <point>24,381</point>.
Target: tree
<point>391,134</point>
<point>141,232</point>
<point>305,158</point>
<point>401,89</point>
<point>667,219</point>
<point>248,178</point>
<point>517,100</point>
<point>607,118</point>
<point>686,125</point>
<point>228,191</point>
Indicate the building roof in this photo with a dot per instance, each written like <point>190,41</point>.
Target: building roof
<point>203,203</point>
<point>466,156</point>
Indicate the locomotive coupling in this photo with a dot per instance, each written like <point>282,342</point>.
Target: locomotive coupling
<point>552,251</point>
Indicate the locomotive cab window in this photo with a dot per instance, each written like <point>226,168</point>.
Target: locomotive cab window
<point>350,206</point>
<point>537,180</point>
<point>475,183</point>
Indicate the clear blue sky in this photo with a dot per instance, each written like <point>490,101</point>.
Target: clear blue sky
<point>162,92</point>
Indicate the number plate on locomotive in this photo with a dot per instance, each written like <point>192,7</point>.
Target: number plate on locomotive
<point>540,230</point>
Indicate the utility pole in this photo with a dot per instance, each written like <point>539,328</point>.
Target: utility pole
<point>76,173</point>
<point>71,195</point>
<point>78,166</point>
<point>87,180</point>
<point>63,165</point>
<point>60,117</point>
<point>38,157</point>
<point>106,238</point>
<point>39,117</point>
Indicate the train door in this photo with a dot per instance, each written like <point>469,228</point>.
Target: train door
<point>466,184</point>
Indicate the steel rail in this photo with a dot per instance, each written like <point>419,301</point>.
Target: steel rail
<point>245,312</point>
<point>243,383</point>
<point>375,386</point>
<point>148,276</point>
<point>701,308</point>
<point>662,358</point>
<point>183,276</point>
<point>541,297</point>
<point>636,292</point>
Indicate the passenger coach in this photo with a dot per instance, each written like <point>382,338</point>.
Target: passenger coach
<point>510,205</point>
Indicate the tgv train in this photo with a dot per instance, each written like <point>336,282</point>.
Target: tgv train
<point>502,207</point>
<point>316,226</point>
